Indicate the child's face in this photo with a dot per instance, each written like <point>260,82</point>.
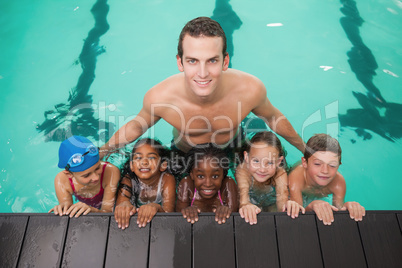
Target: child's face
<point>207,176</point>
<point>321,167</point>
<point>262,161</point>
<point>146,162</point>
<point>90,176</point>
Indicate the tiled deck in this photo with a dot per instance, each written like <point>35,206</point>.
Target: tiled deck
<point>44,240</point>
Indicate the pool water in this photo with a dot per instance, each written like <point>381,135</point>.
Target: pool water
<point>330,66</point>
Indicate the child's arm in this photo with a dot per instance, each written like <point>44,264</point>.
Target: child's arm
<point>247,210</point>
<point>282,196</point>
<point>148,211</point>
<point>281,188</point>
<point>111,180</point>
<point>169,193</point>
<point>63,193</point>
<point>184,200</point>
<point>338,188</point>
<point>229,197</point>
<point>124,209</point>
<point>296,184</point>
<point>243,182</point>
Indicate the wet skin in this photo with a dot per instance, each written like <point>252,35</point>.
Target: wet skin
<point>147,165</point>
<point>87,185</point>
<point>318,176</point>
<point>261,164</point>
<point>208,179</point>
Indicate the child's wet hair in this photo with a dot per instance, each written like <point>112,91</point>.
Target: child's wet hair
<point>270,139</point>
<point>322,143</point>
<point>209,151</point>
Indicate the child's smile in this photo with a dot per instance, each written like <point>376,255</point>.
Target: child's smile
<point>321,167</point>
<point>207,177</point>
<point>262,161</point>
<point>145,163</point>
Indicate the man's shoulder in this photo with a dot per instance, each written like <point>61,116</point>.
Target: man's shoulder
<point>241,76</point>
<point>240,81</point>
<point>167,88</point>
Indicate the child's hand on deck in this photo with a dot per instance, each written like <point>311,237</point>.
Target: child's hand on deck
<point>222,213</point>
<point>146,213</point>
<point>356,210</point>
<point>60,209</point>
<point>77,209</point>
<point>293,208</point>
<point>191,213</point>
<point>249,213</point>
<point>324,211</point>
<point>122,214</point>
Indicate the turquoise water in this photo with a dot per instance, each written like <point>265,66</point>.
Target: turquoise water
<point>329,66</point>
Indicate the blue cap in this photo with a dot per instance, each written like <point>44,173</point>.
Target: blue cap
<point>74,145</point>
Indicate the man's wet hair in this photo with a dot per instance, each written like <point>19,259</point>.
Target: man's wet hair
<point>322,143</point>
<point>208,151</point>
<point>202,26</point>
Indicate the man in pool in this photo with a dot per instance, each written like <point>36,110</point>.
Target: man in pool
<point>207,101</point>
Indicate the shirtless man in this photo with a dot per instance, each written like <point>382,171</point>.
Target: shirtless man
<point>207,101</point>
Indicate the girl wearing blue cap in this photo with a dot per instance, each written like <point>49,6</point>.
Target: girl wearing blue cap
<point>91,181</point>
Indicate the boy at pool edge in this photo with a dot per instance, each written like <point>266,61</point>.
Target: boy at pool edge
<point>312,182</point>
<point>91,181</point>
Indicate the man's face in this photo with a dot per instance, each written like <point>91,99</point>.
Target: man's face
<point>321,167</point>
<point>202,64</point>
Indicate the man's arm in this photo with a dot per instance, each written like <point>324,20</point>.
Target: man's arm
<point>132,130</point>
<point>276,120</point>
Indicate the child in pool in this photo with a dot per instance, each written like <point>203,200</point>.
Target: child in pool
<point>91,181</point>
<point>145,187</point>
<point>262,179</point>
<point>207,188</point>
<point>312,182</point>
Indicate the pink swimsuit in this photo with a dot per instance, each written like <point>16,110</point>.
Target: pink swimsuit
<point>95,201</point>
<point>195,191</point>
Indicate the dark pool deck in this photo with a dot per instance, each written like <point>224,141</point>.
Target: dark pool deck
<point>44,240</point>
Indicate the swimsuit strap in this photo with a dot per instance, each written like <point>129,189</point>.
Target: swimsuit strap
<point>72,184</point>
<point>195,191</point>
<point>192,201</point>
<point>103,173</point>
<point>220,198</point>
